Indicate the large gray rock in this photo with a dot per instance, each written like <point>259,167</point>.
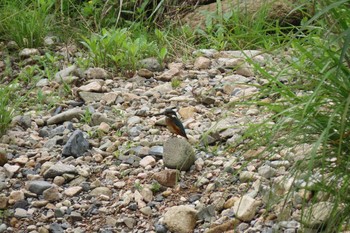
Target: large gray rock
<point>59,169</point>
<point>76,145</point>
<point>178,154</point>
<point>38,186</point>
<point>180,219</point>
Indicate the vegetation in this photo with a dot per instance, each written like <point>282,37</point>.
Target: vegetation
<point>310,88</point>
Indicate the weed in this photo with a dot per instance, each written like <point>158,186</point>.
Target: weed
<point>86,118</point>
<point>138,186</point>
<point>155,187</point>
<point>9,103</point>
<point>175,83</point>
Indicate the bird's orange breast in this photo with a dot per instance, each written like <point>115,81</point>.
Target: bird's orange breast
<point>172,126</point>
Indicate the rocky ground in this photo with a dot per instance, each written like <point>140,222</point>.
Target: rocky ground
<point>101,161</point>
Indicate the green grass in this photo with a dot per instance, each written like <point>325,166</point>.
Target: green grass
<point>122,49</point>
<point>313,108</point>
<point>25,22</point>
<point>9,103</point>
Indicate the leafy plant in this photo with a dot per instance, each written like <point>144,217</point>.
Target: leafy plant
<point>87,117</point>
<point>118,47</point>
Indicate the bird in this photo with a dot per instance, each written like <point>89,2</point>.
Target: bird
<point>173,123</point>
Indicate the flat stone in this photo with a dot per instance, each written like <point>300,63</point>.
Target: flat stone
<point>91,87</point>
<point>20,213</point>
<point>91,97</point>
<point>66,116</point>
<point>22,160</point>
<point>168,75</point>
<point>227,226</point>
<point>156,151</point>
<point>59,169</point>
<point>119,184</point>
<point>38,186</point>
<point>110,221</point>
<point>110,98</point>
<point>101,191</point>
<point>73,191</point>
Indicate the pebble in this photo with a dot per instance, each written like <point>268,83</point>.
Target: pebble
<point>146,211</point>
<point>59,169</point>
<point>10,170</point>
<point>73,191</point>
<point>52,194</point>
<point>147,161</point>
<point>101,191</point>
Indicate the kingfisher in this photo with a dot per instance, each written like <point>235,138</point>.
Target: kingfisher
<point>173,123</point>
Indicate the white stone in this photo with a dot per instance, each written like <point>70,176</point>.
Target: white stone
<point>245,208</point>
